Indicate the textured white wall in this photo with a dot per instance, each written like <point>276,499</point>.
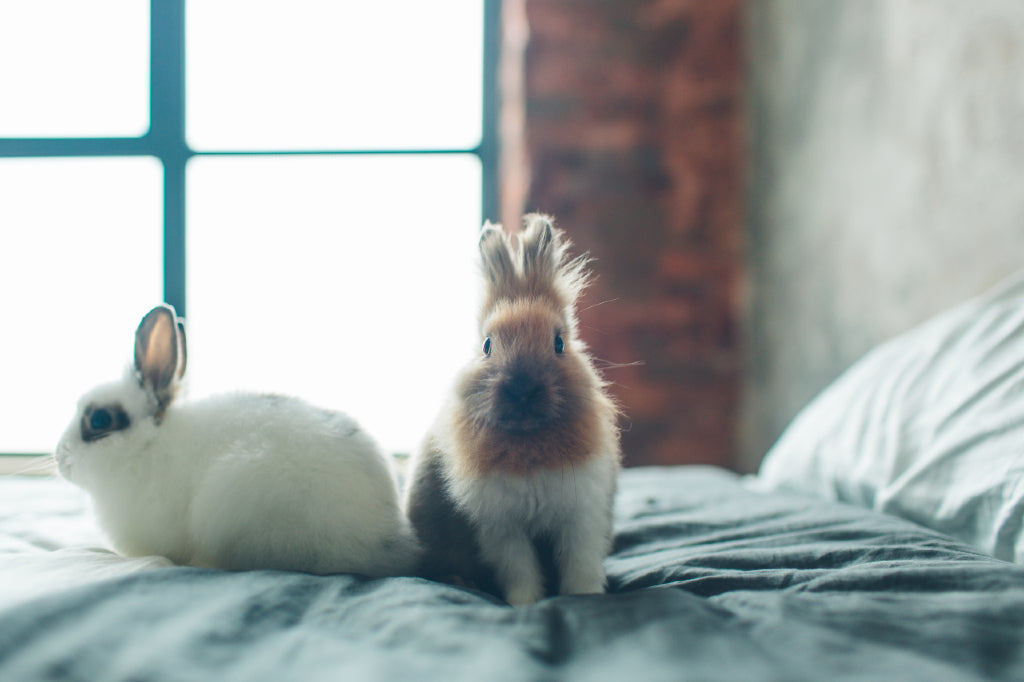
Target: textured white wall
<point>886,182</point>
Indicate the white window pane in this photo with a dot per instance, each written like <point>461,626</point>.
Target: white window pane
<point>74,69</point>
<point>322,74</point>
<point>348,281</point>
<point>80,263</point>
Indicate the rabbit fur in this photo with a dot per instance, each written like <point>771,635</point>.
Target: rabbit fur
<point>234,481</point>
<point>512,490</point>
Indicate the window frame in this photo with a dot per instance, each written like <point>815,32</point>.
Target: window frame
<point>166,141</point>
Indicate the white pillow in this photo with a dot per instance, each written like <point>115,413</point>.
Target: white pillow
<point>928,426</point>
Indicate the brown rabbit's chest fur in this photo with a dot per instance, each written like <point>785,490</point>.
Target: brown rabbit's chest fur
<point>485,450</point>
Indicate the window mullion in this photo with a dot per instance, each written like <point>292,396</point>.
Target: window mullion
<point>167,135</point>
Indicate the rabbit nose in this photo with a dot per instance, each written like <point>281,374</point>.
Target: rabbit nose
<point>522,389</point>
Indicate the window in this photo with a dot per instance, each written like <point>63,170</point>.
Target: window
<point>304,181</point>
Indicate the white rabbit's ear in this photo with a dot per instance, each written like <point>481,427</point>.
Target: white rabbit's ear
<point>182,349</point>
<point>158,354</point>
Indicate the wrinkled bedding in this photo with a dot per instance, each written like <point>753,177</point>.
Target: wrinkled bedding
<point>928,426</point>
<point>709,580</point>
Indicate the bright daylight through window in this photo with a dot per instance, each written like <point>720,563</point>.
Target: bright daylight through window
<point>332,200</point>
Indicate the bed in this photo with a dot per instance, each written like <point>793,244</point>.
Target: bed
<point>880,540</point>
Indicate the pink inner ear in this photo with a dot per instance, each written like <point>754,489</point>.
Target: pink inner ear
<point>160,354</point>
<point>161,342</point>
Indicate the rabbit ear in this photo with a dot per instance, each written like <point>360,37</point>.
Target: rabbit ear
<point>540,247</point>
<point>159,351</point>
<point>182,349</point>
<point>544,254</point>
<point>495,257</point>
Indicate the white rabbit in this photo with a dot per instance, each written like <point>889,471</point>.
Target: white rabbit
<point>516,480</point>
<point>236,481</point>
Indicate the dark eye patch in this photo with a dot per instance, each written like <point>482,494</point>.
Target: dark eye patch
<point>487,346</point>
<point>559,344</point>
<point>100,421</point>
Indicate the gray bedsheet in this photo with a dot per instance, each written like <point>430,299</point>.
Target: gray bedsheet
<point>709,581</point>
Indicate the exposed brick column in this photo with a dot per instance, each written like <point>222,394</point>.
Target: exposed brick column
<point>623,119</point>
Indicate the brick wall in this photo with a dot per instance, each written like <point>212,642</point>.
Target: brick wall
<point>623,119</point>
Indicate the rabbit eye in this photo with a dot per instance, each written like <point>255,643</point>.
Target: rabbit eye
<point>487,346</point>
<point>98,422</point>
<point>559,344</point>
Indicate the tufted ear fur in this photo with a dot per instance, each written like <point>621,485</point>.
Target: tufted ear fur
<point>533,264</point>
<point>539,249</point>
<point>547,268</point>
<point>496,258</point>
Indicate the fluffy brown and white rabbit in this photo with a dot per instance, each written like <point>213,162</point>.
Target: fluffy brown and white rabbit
<point>236,481</point>
<point>516,480</point>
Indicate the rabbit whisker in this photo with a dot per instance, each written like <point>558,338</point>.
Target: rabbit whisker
<point>37,466</point>
<point>608,364</point>
<point>610,300</point>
